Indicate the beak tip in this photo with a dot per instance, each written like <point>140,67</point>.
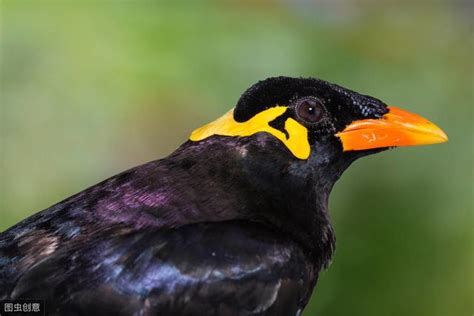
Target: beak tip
<point>444,138</point>
<point>441,135</point>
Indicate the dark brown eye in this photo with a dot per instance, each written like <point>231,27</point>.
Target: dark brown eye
<point>309,109</point>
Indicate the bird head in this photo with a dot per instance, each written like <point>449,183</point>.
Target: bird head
<point>288,140</point>
<point>304,113</point>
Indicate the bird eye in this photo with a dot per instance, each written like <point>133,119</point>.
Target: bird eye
<point>309,110</point>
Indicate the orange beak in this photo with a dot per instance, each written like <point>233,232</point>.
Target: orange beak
<point>396,128</point>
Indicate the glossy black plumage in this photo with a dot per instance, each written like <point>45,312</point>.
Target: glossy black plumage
<point>345,105</point>
<point>180,272</point>
<point>224,226</point>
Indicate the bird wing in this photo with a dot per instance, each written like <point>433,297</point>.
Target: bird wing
<point>225,268</point>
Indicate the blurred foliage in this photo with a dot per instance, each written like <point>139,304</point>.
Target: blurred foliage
<point>89,88</point>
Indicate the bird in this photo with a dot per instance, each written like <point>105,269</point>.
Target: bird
<point>235,221</point>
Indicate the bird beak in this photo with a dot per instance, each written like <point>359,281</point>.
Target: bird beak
<point>396,128</point>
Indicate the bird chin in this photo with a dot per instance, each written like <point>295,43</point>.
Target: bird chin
<point>357,154</point>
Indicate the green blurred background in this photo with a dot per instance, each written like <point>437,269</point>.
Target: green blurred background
<point>90,88</point>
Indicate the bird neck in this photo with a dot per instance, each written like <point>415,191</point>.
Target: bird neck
<point>268,186</point>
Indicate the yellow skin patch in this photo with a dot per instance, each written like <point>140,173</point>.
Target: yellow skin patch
<point>297,141</point>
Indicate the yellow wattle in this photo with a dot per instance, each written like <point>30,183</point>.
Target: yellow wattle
<point>297,141</point>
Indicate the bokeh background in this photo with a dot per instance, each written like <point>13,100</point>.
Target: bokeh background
<point>90,88</point>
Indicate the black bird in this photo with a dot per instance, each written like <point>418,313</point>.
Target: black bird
<point>234,222</point>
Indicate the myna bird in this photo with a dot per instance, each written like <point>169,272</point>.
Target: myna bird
<point>234,222</point>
